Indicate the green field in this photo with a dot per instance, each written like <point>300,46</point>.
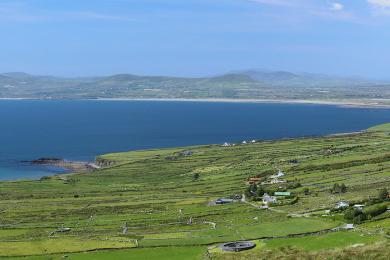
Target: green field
<point>246,85</point>
<point>145,191</point>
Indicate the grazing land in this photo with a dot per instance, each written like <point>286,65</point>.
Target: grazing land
<point>158,204</point>
<point>250,85</point>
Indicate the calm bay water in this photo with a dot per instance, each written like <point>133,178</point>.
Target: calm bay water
<point>80,130</point>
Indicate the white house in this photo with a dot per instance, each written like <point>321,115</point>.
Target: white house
<point>275,181</point>
<point>342,204</point>
<point>268,199</point>
<point>278,175</point>
<point>358,206</point>
<point>348,226</point>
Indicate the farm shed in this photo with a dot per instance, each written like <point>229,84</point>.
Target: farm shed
<point>282,193</point>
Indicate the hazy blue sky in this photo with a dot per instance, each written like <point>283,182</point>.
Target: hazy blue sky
<point>194,37</point>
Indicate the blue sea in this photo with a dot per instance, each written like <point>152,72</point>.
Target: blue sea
<point>80,130</point>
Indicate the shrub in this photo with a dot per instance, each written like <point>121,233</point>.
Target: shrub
<point>343,188</point>
<point>375,210</point>
<point>196,176</point>
<point>359,218</point>
<point>383,194</point>
<point>260,191</point>
<point>44,178</point>
<point>351,213</point>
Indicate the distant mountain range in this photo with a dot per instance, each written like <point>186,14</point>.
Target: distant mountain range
<point>249,84</point>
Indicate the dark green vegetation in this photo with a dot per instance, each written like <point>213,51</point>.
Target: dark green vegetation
<point>270,85</point>
<point>140,206</point>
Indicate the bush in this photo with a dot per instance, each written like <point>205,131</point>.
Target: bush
<point>196,176</point>
<point>359,218</point>
<point>260,191</point>
<point>375,210</point>
<point>351,213</point>
<point>294,185</point>
<point>383,194</point>
<point>343,188</point>
<point>338,188</point>
<point>44,178</point>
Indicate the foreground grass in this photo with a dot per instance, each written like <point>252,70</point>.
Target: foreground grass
<point>57,245</point>
<point>146,190</point>
<point>373,251</point>
<point>327,241</point>
<point>166,253</point>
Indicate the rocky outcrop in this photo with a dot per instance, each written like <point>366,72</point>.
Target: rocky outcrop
<point>72,166</point>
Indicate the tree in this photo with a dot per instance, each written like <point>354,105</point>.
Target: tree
<point>343,188</point>
<point>260,191</point>
<point>253,188</point>
<point>196,176</point>
<point>359,218</point>
<point>383,194</point>
<point>248,192</point>
<point>350,214</point>
<point>336,188</point>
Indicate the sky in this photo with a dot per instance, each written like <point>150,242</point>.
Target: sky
<point>195,37</point>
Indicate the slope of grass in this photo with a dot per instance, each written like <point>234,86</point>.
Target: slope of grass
<point>147,190</point>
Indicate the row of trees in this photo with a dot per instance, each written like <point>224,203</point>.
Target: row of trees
<point>255,192</point>
<point>358,215</point>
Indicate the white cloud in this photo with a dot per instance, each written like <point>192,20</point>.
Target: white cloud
<point>379,3</point>
<point>89,15</point>
<point>380,7</point>
<point>337,7</point>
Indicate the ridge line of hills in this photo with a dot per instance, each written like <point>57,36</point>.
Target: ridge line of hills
<point>249,84</point>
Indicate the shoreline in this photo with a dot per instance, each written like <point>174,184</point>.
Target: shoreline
<point>340,103</point>
<point>343,103</point>
<point>71,166</point>
<point>78,167</point>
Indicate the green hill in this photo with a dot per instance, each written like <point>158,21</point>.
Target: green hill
<point>252,84</point>
<point>156,204</point>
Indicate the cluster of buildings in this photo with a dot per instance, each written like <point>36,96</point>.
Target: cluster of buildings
<point>226,144</point>
<point>345,204</point>
<point>267,199</point>
<point>275,179</point>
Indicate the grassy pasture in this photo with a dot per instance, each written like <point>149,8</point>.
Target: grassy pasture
<point>146,190</point>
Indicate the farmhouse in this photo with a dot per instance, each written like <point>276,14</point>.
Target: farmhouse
<point>268,199</point>
<point>358,206</point>
<point>186,153</point>
<point>278,175</point>
<point>342,204</point>
<point>348,226</point>
<point>223,201</point>
<point>254,180</point>
<point>276,181</point>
